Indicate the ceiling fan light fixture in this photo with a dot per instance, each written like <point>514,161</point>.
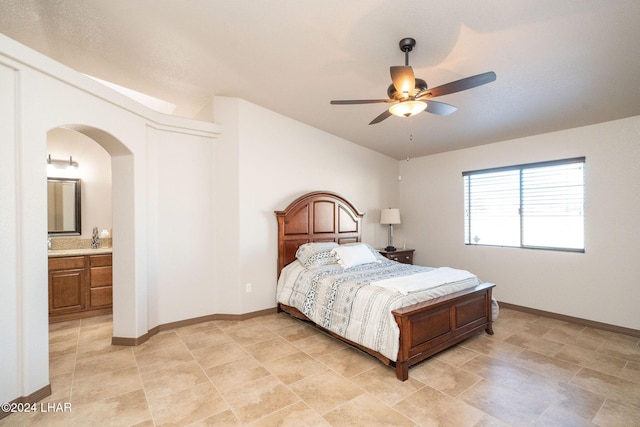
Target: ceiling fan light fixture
<point>407,108</point>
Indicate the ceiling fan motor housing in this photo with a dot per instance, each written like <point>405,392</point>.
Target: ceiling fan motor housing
<point>420,86</point>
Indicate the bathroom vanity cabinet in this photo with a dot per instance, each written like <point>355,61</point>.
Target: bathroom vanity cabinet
<point>79,285</point>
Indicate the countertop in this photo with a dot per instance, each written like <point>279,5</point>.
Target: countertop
<point>78,252</point>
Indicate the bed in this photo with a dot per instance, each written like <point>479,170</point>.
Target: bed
<point>326,276</point>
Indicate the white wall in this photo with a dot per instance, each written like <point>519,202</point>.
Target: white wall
<point>279,159</point>
<point>181,221</point>
<point>602,284</point>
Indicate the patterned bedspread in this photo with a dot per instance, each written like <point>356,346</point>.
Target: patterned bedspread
<point>344,302</point>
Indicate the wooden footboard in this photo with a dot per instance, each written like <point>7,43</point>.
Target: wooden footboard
<point>432,326</point>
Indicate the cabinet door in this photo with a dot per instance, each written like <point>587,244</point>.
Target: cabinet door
<point>100,281</point>
<point>66,263</point>
<point>100,276</point>
<point>66,291</point>
<point>101,297</point>
<point>99,260</point>
<point>100,287</point>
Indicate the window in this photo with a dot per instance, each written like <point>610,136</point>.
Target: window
<point>538,205</point>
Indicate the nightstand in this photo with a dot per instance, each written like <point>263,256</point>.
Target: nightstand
<point>404,256</point>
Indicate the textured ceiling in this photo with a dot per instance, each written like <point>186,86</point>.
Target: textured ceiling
<point>559,63</point>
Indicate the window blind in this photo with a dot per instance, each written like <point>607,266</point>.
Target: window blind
<point>537,205</point>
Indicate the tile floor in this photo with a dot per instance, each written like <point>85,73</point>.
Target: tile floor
<point>274,370</point>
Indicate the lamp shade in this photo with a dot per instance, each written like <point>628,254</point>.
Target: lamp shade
<point>390,216</point>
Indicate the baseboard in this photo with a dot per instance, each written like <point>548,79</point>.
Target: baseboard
<point>578,320</point>
<point>187,322</point>
<point>57,318</point>
<point>134,341</point>
<point>32,398</point>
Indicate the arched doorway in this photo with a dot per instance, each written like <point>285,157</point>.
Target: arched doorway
<point>125,313</point>
<point>78,202</point>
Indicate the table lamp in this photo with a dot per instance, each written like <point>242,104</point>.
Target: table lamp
<point>389,217</point>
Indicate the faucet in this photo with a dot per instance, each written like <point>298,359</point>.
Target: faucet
<point>48,242</point>
<point>95,240</point>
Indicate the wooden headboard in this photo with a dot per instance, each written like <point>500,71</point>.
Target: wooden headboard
<point>319,216</point>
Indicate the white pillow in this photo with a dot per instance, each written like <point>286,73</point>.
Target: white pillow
<point>351,255</point>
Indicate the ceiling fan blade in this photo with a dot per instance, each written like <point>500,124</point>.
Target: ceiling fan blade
<point>440,108</point>
<point>360,101</point>
<point>381,117</point>
<point>403,79</point>
<point>458,85</point>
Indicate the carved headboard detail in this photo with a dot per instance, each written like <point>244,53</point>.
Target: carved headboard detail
<point>319,216</point>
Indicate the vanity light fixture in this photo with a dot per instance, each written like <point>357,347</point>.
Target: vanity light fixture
<point>390,217</point>
<point>62,164</point>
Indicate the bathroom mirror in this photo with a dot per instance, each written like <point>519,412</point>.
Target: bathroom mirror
<point>63,206</point>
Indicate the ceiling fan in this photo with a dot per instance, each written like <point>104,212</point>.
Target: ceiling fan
<point>411,96</point>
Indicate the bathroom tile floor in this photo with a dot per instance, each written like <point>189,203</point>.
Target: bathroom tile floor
<point>275,370</point>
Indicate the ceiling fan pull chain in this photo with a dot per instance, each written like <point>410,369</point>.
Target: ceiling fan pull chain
<point>410,125</point>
